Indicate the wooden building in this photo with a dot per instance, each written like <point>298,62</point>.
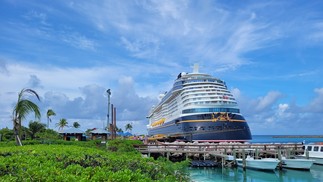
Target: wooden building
<point>70,133</point>
<point>99,133</point>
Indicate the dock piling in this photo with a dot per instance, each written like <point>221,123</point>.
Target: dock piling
<point>244,162</point>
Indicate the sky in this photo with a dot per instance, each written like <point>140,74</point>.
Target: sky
<point>270,54</point>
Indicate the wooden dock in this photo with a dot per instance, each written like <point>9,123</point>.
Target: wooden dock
<point>221,152</point>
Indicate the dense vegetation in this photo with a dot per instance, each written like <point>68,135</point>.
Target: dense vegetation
<point>68,162</point>
<point>43,157</point>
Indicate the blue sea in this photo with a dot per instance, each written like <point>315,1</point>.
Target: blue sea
<point>237,174</point>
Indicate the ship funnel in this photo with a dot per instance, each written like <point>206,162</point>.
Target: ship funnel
<point>196,68</point>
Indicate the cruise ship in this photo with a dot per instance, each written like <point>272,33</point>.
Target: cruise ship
<point>199,107</point>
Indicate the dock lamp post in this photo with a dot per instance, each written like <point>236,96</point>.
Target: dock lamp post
<point>108,115</point>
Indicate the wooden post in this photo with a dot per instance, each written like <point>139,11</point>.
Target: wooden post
<point>256,153</point>
<point>287,153</point>
<point>223,161</point>
<point>244,162</point>
<point>279,154</point>
<point>234,154</point>
<point>167,155</point>
<point>280,164</point>
<point>307,154</point>
<point>114,123</point>
<point>111,125</point>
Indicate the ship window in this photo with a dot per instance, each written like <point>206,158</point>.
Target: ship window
<point>321,149</point>
<point>309,148</point>
<point>316,148</point>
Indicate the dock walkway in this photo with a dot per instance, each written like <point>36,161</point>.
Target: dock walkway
<point>222,151</point>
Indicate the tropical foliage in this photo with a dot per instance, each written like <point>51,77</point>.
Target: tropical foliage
<point>6,134</point>
<point>123,145</point>
<point>119,129</point>
<point>22,108</point>
<point>50,113</point>
<point>35,127</point>
<point>128,127</point>
<point>74,163</point>
<point>48,134</point>
<point>61,124</point>
<point>76,125</point>
<point>38,132</point>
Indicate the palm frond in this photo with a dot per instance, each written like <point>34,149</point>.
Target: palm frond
<point>24,107</point>
<point>32,92</point>
<point>50,112</point>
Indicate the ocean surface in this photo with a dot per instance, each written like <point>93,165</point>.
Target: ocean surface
<point>206,174</point>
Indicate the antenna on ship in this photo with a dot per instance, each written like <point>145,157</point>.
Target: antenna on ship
<point>196,68</point>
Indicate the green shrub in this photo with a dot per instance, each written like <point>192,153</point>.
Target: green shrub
<point>76,163</point>
<point>123,145</point>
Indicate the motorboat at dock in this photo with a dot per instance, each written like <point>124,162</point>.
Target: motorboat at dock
<point>260,164</point>
<point>302,164</point>
<point>313,151</point>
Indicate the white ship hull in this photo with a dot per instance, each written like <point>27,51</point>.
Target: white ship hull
<point>198,107</point>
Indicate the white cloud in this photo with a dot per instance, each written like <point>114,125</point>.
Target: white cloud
<point>316,104</point>
<point>34,82</point>
<point>73,94</point>
<point>267,115</point>
<point>150,29</point>
<point>142,45</point>
<point>41,17</point>
<point>282,108</point>
<point>266,102</point>
<point>78,41</point>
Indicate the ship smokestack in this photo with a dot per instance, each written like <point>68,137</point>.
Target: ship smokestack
<point>196,68</point>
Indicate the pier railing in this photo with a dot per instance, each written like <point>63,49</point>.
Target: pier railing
<point>218,148</point>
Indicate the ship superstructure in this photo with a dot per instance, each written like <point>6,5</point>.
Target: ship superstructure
<point>198,107</point>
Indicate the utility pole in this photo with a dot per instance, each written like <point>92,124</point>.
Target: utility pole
<point>108,115</point>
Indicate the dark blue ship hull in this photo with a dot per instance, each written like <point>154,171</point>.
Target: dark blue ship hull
<point>204,127</point>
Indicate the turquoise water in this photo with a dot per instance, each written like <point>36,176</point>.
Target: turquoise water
<point>272,139</point>
<point>237,174</point>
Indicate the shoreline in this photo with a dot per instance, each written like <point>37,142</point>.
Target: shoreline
<point>297,136</point>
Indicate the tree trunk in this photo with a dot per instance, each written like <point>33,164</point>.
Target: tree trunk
<point>16,133</point>
<point>17,138</point>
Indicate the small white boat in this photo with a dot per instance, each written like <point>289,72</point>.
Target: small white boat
<point>261,164</point>
<point>304,164</point>
<point>315,152</point>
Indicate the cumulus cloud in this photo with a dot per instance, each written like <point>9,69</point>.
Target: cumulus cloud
<point>267,101</point>
<point>130,106</point>
<point>34,82</point>
<point>3,67</point>
<point>269,115</point>
<point>317,103</point>
<point>90,109</point>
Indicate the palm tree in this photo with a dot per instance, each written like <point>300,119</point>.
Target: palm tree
<point>50,113</point>
<point>128,127</point>
<point>61,124</point>
<point>22,108</point>
<point>119,129</point>
<point>76,125</point>
<point>35,127</point>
